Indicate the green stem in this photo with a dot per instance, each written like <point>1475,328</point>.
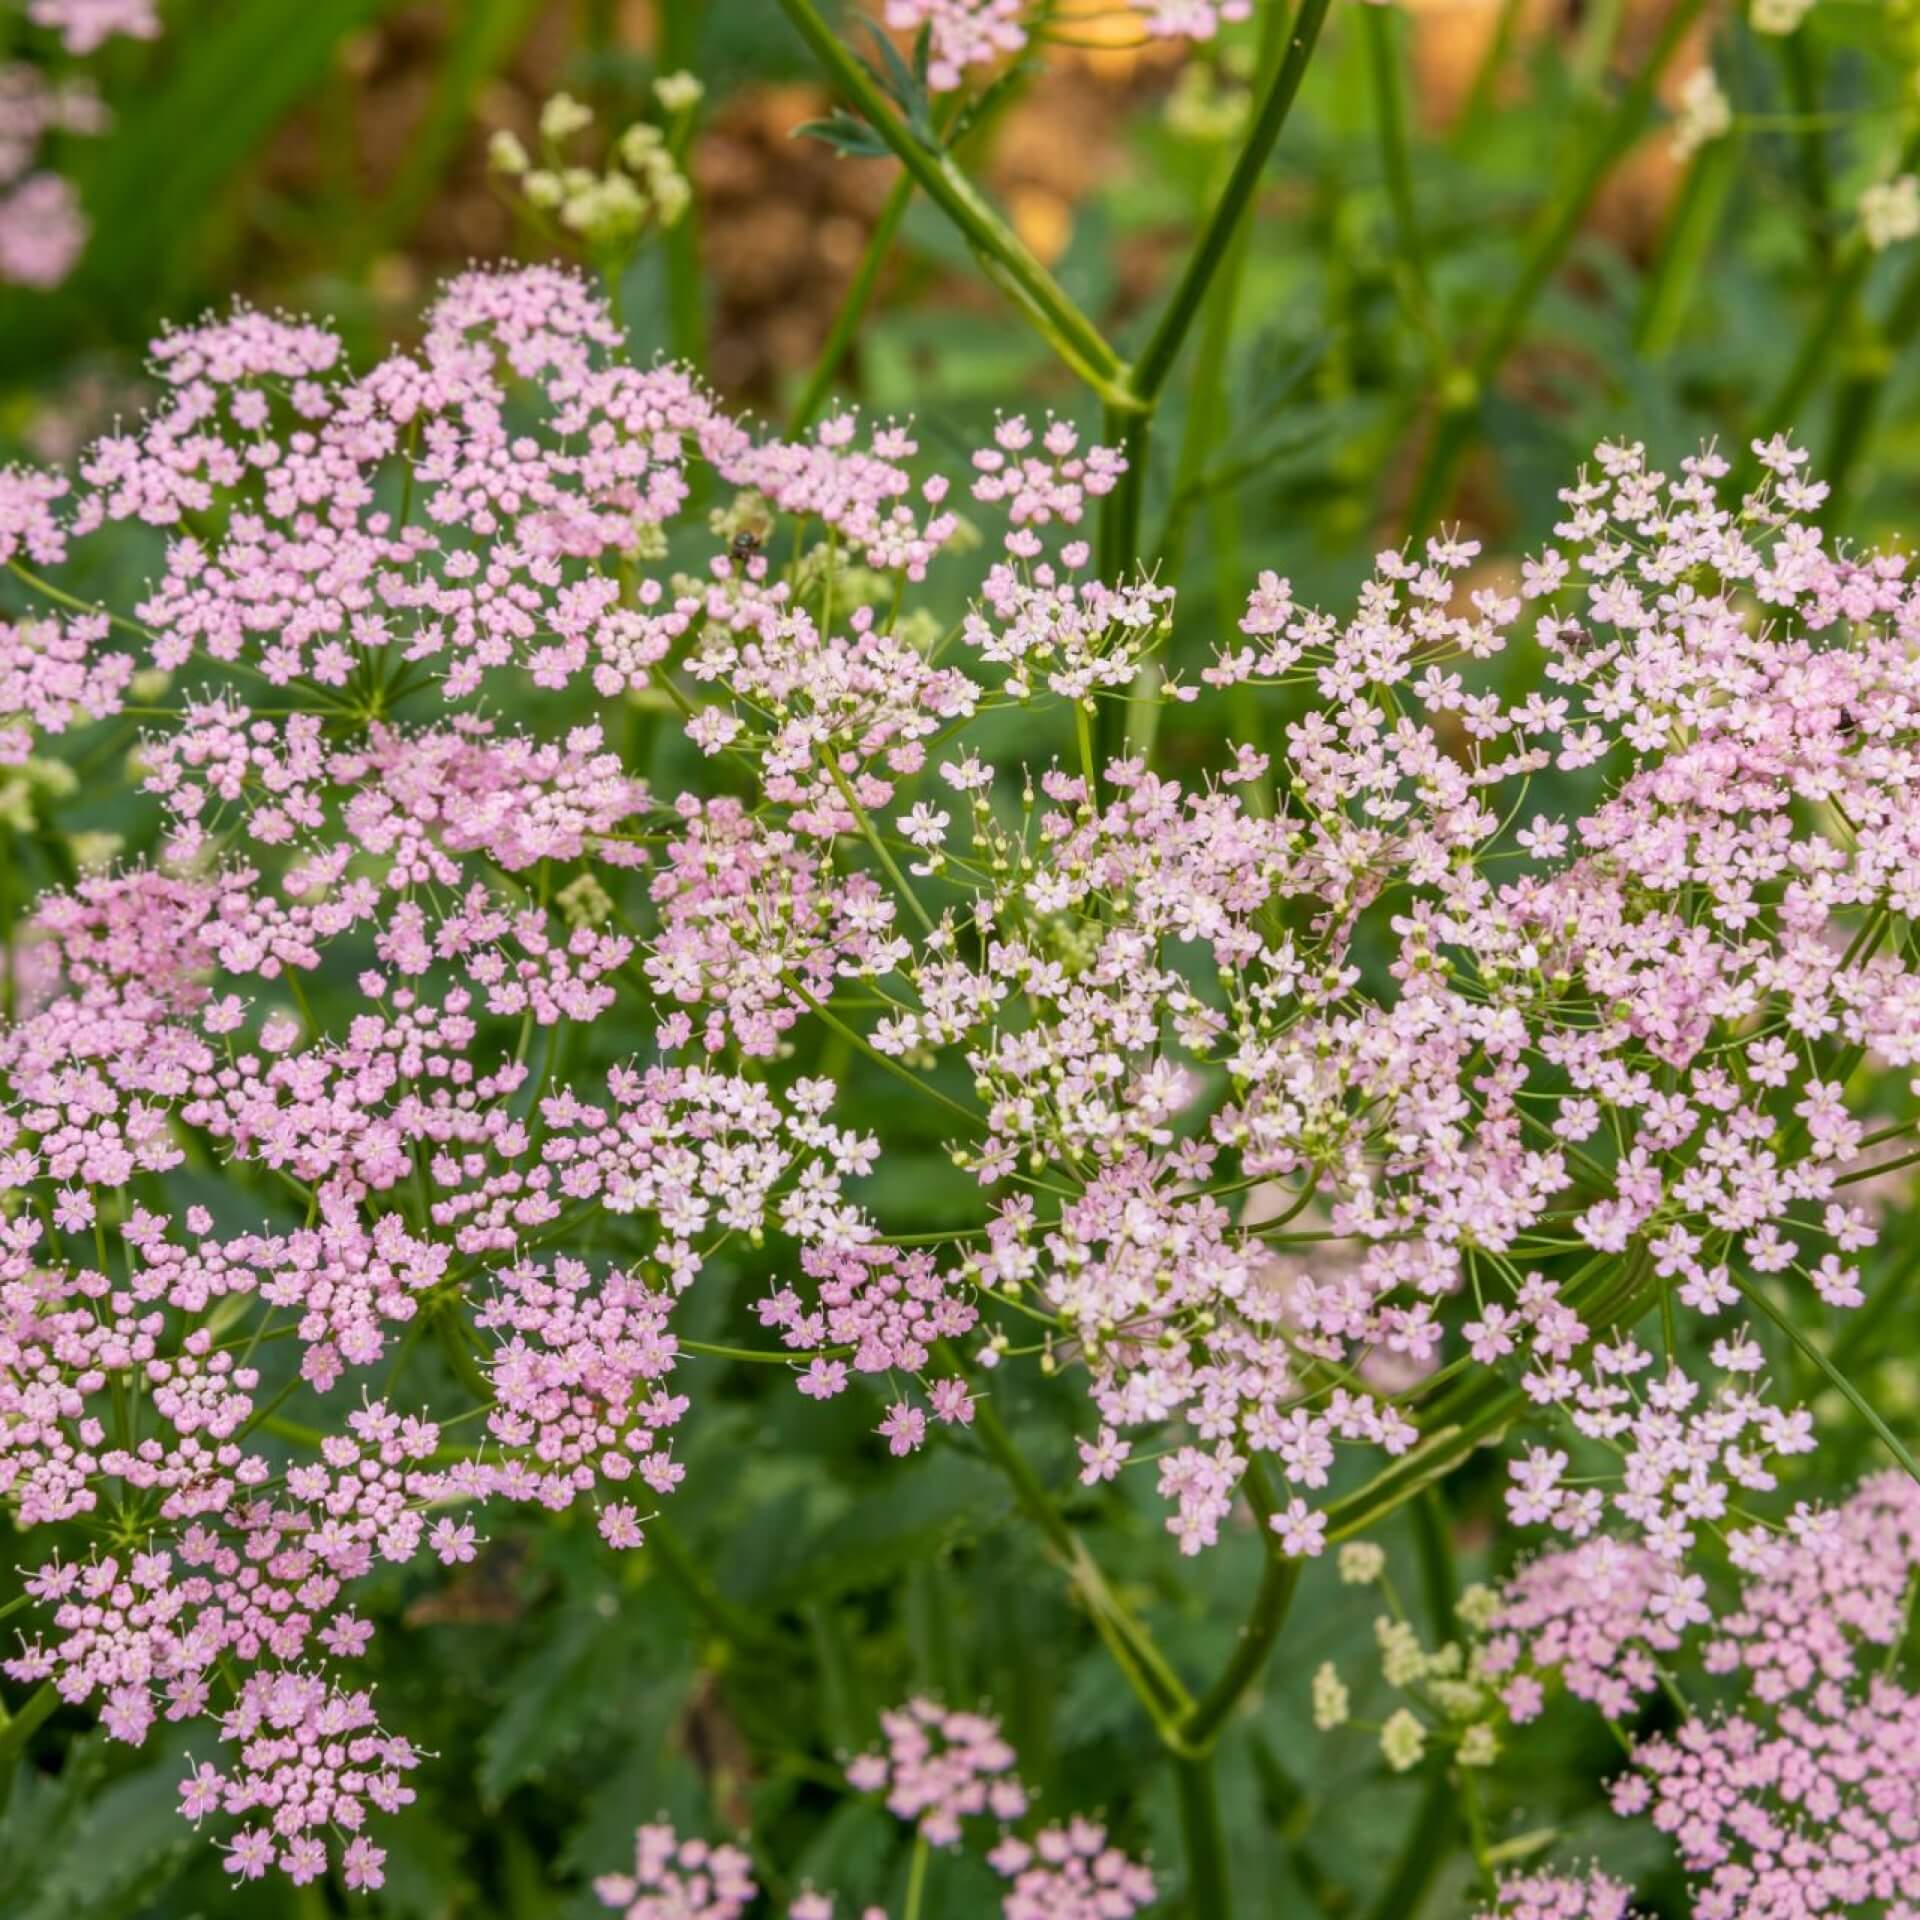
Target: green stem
<point>1183,306</point>
<point>1381,24</point>
<point>1204,1840</point>
<point>903,1074</point>
<point>1422,1854</point>
<point>1433,1542</point>
<point>1467,1415</point>
<point>853,308</point>
<point>16,1729</point>
<point>1553,233</point>
<point>1685,246</point>
<point>865,823</point>
<point>1004,256</point>
<point>1202,1726</point>
<point>917,1877</point>
<point>760,1355</point>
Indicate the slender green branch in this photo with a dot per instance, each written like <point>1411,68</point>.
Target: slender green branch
<point>761,1356</point>
<point>906,1075</point>
<point>853,307</point>
<point>1183,305</point>
<point>1424,1851</point>
<point>864,821</point>
<point>1852,1394</point>
<point>1002,254</point>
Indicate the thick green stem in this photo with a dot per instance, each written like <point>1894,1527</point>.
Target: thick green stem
<point>16,1729</point>
<point>1002,254</point>
<point>917,1877</point>
<point>1204,1840</point>
<point>1553,233</point>
<point>1467,1415</point>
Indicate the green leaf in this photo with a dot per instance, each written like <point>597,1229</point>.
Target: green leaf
<point>908,1518</point>
<point>550,1697</point>
<point>903,84</point>
<point>87,1851</point>
<point>845,133</point>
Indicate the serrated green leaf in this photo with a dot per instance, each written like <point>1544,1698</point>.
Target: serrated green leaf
<point>550,1697</point>
<point>115,1846</point>
<point>914,1514</point>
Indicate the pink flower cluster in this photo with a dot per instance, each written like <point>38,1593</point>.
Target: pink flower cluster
<point>969,33</point>
<point>1547,1896</point>
<point>1287,1087</point>
<point>938,1769</point>
<point>1798,1796</point>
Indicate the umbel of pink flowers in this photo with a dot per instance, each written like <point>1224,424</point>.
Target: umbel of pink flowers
<point>1256,1073</point>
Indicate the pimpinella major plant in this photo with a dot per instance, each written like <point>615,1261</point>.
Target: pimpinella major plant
<point>552,810</point>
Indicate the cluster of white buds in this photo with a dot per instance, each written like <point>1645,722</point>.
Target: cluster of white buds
<point>607,209</point>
